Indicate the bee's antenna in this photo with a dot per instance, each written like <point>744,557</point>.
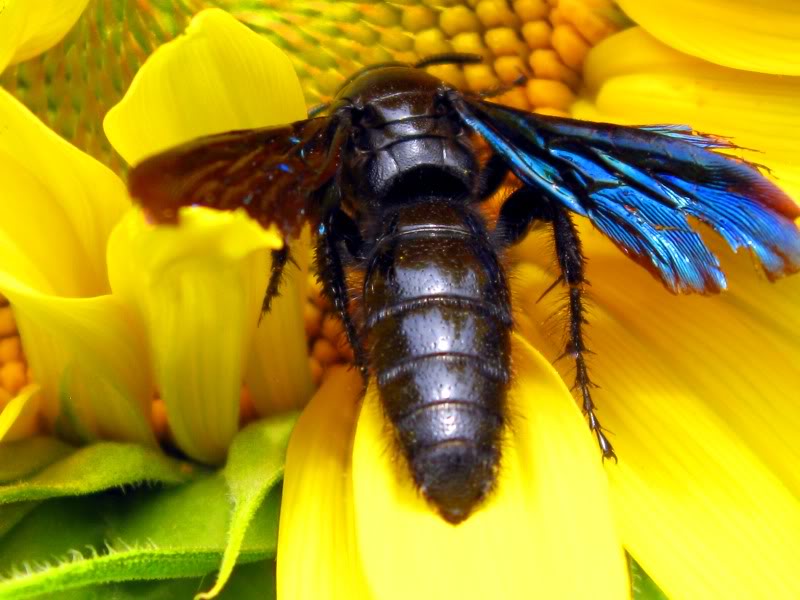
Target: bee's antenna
<point>449,58</point>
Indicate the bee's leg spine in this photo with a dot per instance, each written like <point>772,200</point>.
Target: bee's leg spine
<point>573,263</point>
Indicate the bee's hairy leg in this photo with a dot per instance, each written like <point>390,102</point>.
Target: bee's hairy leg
<point>573,264</point>
<point>523,208</point>
<point>331,274</point>
<point>280,258</point>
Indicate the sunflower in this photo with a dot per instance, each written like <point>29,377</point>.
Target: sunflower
<point>697,392</point>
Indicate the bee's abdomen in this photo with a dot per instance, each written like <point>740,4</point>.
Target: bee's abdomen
<point>438,323</point>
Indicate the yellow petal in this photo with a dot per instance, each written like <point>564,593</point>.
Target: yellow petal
<point>197,289</point>
<point>18,417</point>
<point>753,35</point>
<point>59,207</point>
<point>12,24</point>
<point>53,192</point>
<point>278,372</point>
<point>89,361</point>
<point>29,28</point>
<point>546,533</point>
<point>217,77</point>
<point>699,394</point>
<point>637,80</point>
<point>630,51</point>
<point>317,554</point>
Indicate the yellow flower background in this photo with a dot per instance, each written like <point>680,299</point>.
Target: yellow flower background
<point>699,393</point>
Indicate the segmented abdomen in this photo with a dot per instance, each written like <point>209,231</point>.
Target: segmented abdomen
<point>438,324</point>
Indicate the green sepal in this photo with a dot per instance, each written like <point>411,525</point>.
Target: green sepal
<point>253,581</point>
<point>642,587</point>
<point>94,468</point>
<point>83,522</point>
<point>73,544</point>
<point>25,457</point>
<point>11,514</point>
<point>255,464</point>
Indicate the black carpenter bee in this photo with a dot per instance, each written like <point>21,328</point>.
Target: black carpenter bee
<point>390,179</point>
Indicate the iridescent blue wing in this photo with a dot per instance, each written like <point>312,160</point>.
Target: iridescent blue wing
<point>639,186</point>
<point>272,173</point>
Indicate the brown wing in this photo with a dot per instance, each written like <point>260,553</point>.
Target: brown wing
<point>272,173</point>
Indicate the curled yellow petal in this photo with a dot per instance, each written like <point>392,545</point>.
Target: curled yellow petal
<point>699,396</point>
<point>219,76</point>
<point>317,553</point>
<point>89,361</point>
<point>549,516</point>
<point>637,80</point>
<point>12,23</point>
<point>29,28</point>
<point>197,288</point>
<point>633,50</point>
<point>752,35</point>
<point>18,416</point>
<point>52,192</point>
<point>58,208</point>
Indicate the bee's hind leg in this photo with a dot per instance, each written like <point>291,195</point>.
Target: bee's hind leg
<point>520,211</point>
<point>572,263</point>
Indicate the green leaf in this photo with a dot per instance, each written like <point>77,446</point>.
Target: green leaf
<point>72,544</point>
<point>94,468</point>
<point>642,587</point>
<point>25,457</point>
<point>255,465</point>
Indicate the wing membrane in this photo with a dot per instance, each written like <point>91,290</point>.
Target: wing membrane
<point>271,173</point>
<point>639,186</point>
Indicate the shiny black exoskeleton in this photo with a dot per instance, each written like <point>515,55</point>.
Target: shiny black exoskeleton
<point>391,182</point>
<point>437,317</point>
